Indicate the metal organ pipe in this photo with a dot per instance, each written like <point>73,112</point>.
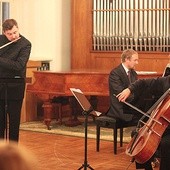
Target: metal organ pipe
<point>143,25</point>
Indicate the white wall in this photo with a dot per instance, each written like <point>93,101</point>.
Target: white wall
<point>46,23</point>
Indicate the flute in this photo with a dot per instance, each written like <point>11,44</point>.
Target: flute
<point>9,43</point>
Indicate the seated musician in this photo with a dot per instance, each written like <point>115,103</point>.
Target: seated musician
<point>157,87</point>
<point>118,81</point>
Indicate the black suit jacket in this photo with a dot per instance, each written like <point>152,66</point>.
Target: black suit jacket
<point>156,86</point>
<point>118,81</point>
<point>13,60</point>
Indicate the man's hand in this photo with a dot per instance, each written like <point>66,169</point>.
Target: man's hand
<point>123,95</point>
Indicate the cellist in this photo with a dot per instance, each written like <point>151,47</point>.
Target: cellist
<point>157,87</point>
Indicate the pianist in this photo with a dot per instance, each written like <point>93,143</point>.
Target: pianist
<point>118,81</point>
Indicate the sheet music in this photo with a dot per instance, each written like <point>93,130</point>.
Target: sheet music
<point>166,70</point>
<point>98,113</point>
<point>84,103</point>
<point>76,90</point>
<point>145,72</point>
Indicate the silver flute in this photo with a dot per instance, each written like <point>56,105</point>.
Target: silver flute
<point>9,43</point>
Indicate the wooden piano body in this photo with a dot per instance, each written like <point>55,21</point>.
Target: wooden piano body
<point>48,84</point>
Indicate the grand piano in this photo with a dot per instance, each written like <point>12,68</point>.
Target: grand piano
<point>47,85</point>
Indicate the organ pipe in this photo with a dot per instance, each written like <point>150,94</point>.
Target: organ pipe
<point>143,25</point>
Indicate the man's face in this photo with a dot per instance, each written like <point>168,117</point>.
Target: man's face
<point>12,34</point>
<point>132,62</point>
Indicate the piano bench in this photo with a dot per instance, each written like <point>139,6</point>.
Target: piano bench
<point>60,103</point>
<point>110,122</point>
<point>59,109</point>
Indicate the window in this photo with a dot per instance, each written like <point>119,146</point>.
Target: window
<point>143,25</point>
<point>4,12</point>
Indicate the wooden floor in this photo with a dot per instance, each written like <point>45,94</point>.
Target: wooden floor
<point>58,152</point>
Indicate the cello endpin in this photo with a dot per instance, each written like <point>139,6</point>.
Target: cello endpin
<point>132,160</point>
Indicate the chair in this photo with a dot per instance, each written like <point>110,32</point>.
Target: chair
<point>110,122</point>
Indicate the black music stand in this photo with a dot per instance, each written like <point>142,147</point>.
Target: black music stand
<point>5,83</point>
<point>87,109</point>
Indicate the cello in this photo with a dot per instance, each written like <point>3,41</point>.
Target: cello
<point>148,136</point>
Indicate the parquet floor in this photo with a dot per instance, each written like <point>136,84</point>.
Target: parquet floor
<point>57,152</point>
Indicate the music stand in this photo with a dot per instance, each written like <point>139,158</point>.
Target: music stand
<point>87,109</point>
<point>5,83</point>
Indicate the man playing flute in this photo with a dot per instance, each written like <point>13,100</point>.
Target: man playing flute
<point>14,54</point>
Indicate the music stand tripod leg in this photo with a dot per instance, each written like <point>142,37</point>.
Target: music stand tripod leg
<point>86,165</point>
<point>6,110</point>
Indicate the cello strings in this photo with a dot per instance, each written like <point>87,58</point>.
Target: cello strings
<point>142,112</point>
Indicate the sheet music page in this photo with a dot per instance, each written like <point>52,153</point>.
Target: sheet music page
<point>146,72</point>
<point>76,90</point>
<point>98,113</point>
<point>85,104</point>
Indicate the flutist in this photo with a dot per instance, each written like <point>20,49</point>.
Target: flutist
<point>14,54</point>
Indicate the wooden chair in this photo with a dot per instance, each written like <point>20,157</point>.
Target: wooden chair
<point>109,122</point>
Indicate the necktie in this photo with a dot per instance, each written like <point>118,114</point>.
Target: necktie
<point>129,77</point>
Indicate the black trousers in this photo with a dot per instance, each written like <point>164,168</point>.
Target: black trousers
<point>164,150</point>
<point>13,113</point>
<point>146,166</point>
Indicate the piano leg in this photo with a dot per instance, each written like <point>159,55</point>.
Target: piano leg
<point>76,110</point>
<point>47,106</point>
<point>94,101</point>
<point>73,121</point>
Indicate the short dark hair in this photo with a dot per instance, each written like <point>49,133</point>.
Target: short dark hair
<point>127,54</point>
<point>8,24</point>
